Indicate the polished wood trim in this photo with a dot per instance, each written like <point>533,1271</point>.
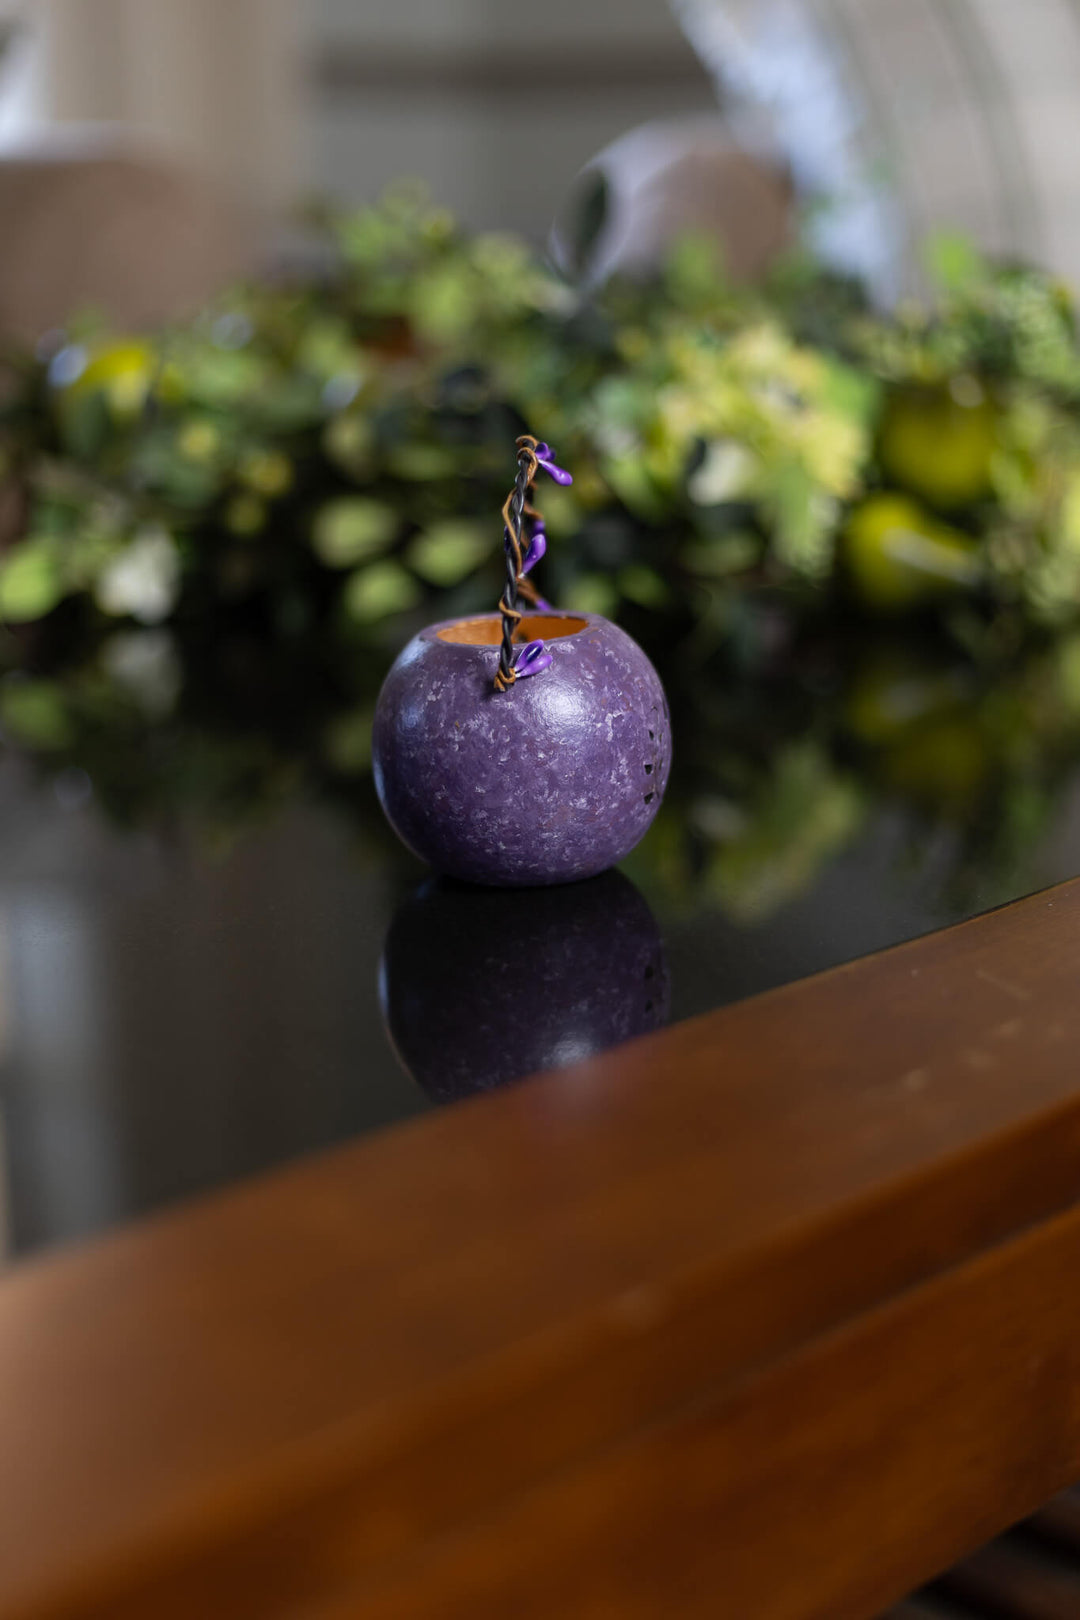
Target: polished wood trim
<point>826,1486</point>
<point>825,1236</point>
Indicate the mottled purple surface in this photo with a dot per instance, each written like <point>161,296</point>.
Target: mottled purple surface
<point>480,987</point>
<point>556,779</point>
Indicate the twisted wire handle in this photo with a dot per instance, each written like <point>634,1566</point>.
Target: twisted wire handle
<point>516,508</point>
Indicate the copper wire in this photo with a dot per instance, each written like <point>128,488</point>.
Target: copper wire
<point>515,509</point>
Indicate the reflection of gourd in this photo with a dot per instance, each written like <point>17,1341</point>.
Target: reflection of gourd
<point>480,987</point>
<point>939,445</point>
<point>897,556</point>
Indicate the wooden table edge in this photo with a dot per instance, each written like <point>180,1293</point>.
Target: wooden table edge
<point>621,1338</point>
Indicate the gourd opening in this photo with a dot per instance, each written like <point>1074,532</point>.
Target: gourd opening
<point>487,632</point>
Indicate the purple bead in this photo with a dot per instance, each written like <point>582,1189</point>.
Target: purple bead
<point>532,660</point>
<point>544,459</point>
<point>553,780</point>
<point>535,550</point>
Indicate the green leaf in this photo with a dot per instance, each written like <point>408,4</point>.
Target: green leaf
<point>643,586</point>
<point>953,260</point>
<point>803,521</point>
<point>1068,672</point>
<point>695,269</point>
<point>446,552</point>
<point>376,592</point>
<point>443,302</point>
<point>419,462</point>
<point>31,581</point>
<point>632,482</point>
<point>347,741</point>
<point>349,530</point>
<point>854,393</point>
<point>327,348</point>
<point>85,426</point>
<point>593,593</point>
<point>348,441</point>
<point>721,555</point>
<point>34,712</point>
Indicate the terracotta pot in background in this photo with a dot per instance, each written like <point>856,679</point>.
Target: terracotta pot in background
<point>131,235</point>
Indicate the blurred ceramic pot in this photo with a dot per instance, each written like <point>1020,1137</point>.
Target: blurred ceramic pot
<point>634,200</point>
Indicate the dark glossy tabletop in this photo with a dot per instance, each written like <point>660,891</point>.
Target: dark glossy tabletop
<point>178,1011</point>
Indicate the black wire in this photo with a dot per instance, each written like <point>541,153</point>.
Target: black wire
<point>513,541</point>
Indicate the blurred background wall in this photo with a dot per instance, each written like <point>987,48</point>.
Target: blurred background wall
<point>908,115</point>
<point>496,106</point>
<point>218,83</point>
<point>497,103</point>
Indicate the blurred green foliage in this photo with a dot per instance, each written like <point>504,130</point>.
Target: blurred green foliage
<point>213,538</point>
<point>343,444</point>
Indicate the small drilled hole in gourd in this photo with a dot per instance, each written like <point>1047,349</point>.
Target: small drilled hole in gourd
<point>648,770</point>
<point>652,735</point>
<point>649,797</point>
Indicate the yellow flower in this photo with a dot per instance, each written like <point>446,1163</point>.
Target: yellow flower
<point>122,373</point>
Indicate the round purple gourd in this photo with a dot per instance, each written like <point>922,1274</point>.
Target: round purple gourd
<point>522,748</point>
